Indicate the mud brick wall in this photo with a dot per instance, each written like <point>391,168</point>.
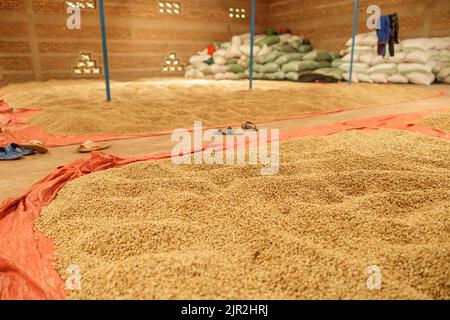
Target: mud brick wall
<point>328,24</point>
<point>36,45</point>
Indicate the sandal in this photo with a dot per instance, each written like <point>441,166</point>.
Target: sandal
<point>6,155</point>
<point>249,126</point>
<point>89,146</point>
<point>18,149</point>
<point>35,145</point>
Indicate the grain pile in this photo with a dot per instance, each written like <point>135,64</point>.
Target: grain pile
<point>439,121</point>
<point>339,204</point>
<point>72,107</point>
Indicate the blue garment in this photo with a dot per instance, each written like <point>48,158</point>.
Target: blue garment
<point>384,34</point>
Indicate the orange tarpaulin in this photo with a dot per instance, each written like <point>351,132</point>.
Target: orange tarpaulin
<point>27,255</point>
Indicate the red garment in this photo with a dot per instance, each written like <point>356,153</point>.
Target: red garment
<point>211,49</point>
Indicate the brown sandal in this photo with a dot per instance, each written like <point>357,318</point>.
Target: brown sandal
<point>35,145</point>
<point>249,126</point>
<point>89,146</point>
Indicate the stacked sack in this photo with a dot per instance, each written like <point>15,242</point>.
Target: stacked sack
<point>417,61</point>
<point>276,57</point>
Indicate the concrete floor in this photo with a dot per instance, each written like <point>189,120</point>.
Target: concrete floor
<point>18,176</point>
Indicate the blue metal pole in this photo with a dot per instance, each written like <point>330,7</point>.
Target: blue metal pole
<point>252,43</point>
<point>105,49</point>
<point>355,22</point>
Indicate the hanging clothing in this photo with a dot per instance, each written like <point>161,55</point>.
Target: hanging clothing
<point>384,34</point>
<point>394,29</point>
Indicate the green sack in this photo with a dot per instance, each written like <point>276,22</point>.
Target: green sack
<point>330,72</point>
<point>324,64</point>
<point>245,64</point>
<point>297,66</point>
<point>296,44</point>
<point>334,55</point>
<point>260,59</point>
<point>257,67</point>
<point>288,57</point>
<point>268,40</point>
<point>285,48</point>
<point>232,61</point>
<point>203,67</point>
<point>242,75</point>
<point>274,76</point>
<point>317,55</point>
<point>293,76</point>
<point>258,76</point>
<point>235,68</point>
<point>304,48</point>
<point>270,67</point>
<point>336,63</point>
<point>271,57</point>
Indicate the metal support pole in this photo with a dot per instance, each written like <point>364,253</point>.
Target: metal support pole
<point>252,43</point>
<point>105,49</point>
<point>355,22</point>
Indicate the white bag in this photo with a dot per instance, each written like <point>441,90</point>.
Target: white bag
<point>366,58</point>
<point>236,41</point>
<point>245,49</point>
<point>219,53</point>
<point>420,78</point>
<point>379,78</point>
<point>377,60</point>
<point>398,58</point>
<point>406,68</point>
<point>348,57</point>
<point>357,67</point>
<point>362,50</point>
<point>386,68</point>
<point>421,44</point>
<point>364,78</point>
<point>220,60</point>
<point>285,38</point>
<point>423,56</point>
<point>355,78</point>
<point>398,78</point>
<point>232,52</point>
<point>371,40</point>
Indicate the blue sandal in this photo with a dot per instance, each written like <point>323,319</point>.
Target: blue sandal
<point>18,149</point>
<point>5,154</point>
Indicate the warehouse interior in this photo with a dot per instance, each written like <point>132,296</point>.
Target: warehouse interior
<point>96,204</point>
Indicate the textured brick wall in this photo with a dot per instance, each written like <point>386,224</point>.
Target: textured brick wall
<point>328,24</point>
<point>35,43</point>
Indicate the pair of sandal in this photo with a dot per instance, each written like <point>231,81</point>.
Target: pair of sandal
<point>230,131</point>
<point>16,151</point>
